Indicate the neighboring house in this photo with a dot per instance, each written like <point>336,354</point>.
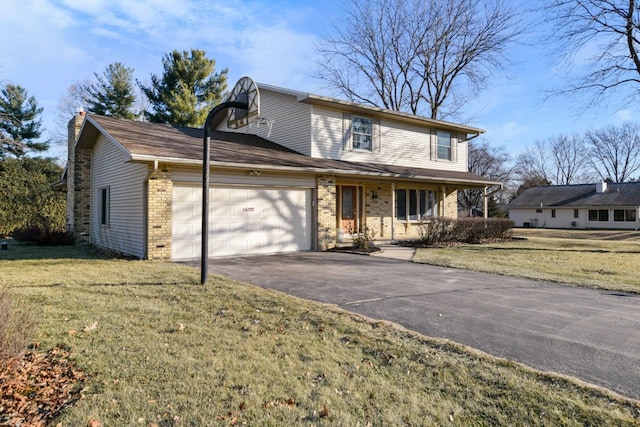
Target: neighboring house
<point>601,205</point>
<point>309,172</point>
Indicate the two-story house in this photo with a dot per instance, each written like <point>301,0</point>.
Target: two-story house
<point>310,171</point>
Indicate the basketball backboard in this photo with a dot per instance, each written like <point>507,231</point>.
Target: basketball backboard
<point>245,90</point>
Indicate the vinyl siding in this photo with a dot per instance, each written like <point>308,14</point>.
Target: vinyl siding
<point>125,231</point>
<point>291,121</point>
<point>400,144</point>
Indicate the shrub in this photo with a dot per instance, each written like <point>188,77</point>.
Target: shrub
<point>44,237</point>
<point>363,238</point>
<point>27,198</point>
<point>464,230</point>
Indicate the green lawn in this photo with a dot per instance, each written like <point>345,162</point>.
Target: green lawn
<point>160,348</point>
<point>552,256</point>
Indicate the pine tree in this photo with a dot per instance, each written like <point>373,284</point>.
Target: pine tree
<point>187,90</point>
<point>112,94</point>
<point>19,122</point>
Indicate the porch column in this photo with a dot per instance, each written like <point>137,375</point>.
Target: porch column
<point>326,212</point>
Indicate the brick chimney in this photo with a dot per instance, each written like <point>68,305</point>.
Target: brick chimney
<point>73,131</point>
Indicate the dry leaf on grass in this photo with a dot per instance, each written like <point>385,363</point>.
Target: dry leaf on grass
<point>36,387</point>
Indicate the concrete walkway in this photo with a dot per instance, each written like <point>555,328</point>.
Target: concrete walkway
<point>395,252</point>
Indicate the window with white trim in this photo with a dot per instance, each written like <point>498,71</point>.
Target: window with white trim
<point>105,206</point>
<point>362,133</point>
<point>444,146</point>
<point>415,205</point>
<point>627,215</point>
<point>599,215</point>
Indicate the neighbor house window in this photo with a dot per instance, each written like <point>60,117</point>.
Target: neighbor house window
<point>105,205</point>
<point>553,213</point>
<point>628,215</point>
<point>415,205</point>
<point>598,215</point>
<point>444,145</point>
<point>576,213</point>
<point>362,133</point>
<point>538,210</point>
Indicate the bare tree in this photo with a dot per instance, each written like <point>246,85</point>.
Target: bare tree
<point>487,161</point>
<point>567,157</point>
<point>612,27</point>
<point>614,152</point>
<point>420,56</point>
<point>533,163</point>
<point>559,160</point>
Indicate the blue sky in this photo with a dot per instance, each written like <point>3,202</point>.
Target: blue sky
<point>47,45</point>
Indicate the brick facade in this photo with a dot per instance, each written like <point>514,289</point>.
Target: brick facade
<point>378,208</point>
<point>82,195</point>
<point>159,196</point>
<point>326,211</point>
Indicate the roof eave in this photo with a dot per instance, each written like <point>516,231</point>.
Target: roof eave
<point>341,172</point>
<point>394,115</point>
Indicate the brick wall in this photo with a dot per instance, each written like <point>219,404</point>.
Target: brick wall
<point>82,194</point>
<point>73,130</point>
<point>378,208</point>
<point>159,196</point>
<point>326,221</point>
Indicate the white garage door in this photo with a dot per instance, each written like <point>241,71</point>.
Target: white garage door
<point>242,220</point>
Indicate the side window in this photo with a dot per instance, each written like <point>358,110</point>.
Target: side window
<point>444,146</point>
<point>105,205</point>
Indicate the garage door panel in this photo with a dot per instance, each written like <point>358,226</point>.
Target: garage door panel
<point>242,221</point>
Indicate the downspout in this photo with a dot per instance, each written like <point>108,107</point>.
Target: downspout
<point>145,214</point>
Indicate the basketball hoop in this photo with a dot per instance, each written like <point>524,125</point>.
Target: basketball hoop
<point>244,91</point>
<point>244,105</point>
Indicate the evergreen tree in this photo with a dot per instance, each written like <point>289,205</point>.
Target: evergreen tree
<point>187,90</point>
<point>19,122</point>
<point>112,94</point>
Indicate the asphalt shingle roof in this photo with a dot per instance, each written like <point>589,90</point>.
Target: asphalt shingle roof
<point>582,195</point>
<point>174,143</point>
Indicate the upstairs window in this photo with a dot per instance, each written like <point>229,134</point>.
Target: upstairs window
<point>362,133</point>
<point>444,145</point>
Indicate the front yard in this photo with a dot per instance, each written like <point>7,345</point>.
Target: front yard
<point>159,349</point>
<point>598,259</point>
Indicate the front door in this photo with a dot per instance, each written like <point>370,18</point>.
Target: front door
<point>349,209</point>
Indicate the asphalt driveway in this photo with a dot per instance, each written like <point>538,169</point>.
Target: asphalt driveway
<point>593,335</point>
